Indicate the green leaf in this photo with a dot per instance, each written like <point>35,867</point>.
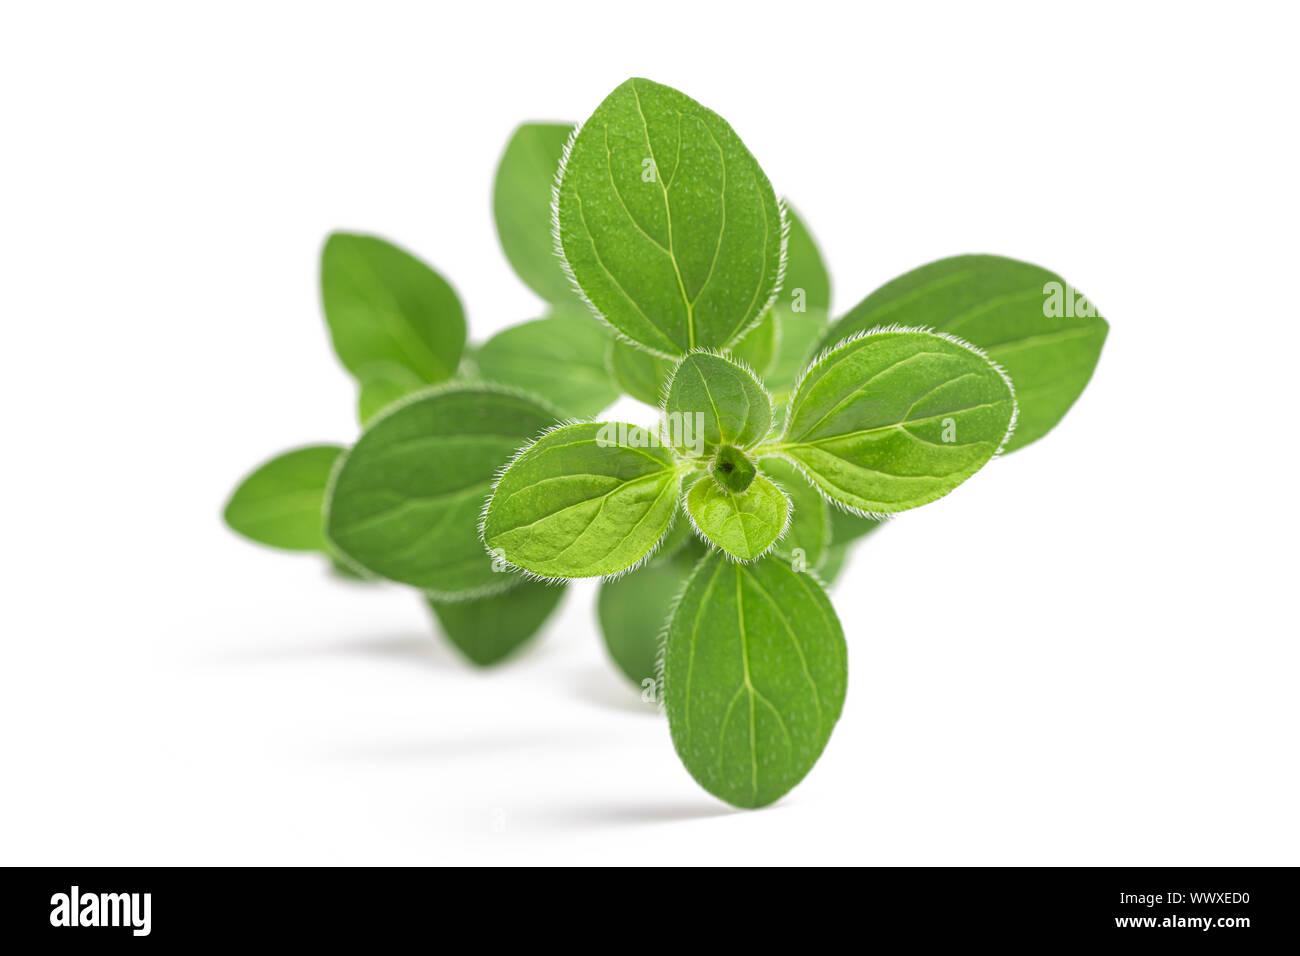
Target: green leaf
<point>755,668</point>
<point>798,336</point>
<point>896,419</point>
<point>667,223</point>
<point>678,535</point>
<point>383,383</point>
<point>758,348</point>
<point>733,469</point>
<point>633,610</point>
<point>405,502</point>
<point>1006,308</point>
<point>279,504</point>
<point>721,396</point>
<point>581,502</point>
<point>487,629</point>
<point>804,269</point>
<point>810,516</point>
<point>837,556</point>
<point>521,203</point>
<point>639,373</point>
<point>383,305</point>
<point>744,524</point>
<point>799,317</point>
<point>561,358</point>
<point>847,527</point>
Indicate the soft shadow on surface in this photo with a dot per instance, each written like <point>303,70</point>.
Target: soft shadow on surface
<point>630,814</point>
<point>464,746</point>
<point>427,649</point>
<point>606,688</point>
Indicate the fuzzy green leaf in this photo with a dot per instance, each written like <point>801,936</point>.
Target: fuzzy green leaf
<point>810,519</point>
<point>897,419</point>
<point>755,669</point>
<point>405,502</point>
<point>279,504</point>
<point>383,305</point>
<point>633,610</point>
<point>561,358</point>
<point>579,503</point>
<point>521,203</point>
<point>667,222</point>
<point>1028,320</point>
<point>487,629</point>
<point>725,397</point>
<point>744,524</point>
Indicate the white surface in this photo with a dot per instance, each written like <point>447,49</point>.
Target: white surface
<point>1088,654</point>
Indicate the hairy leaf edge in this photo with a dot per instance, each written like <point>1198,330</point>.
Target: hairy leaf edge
<point>557,246</point>
<point>849,340</point>
<point>661,650</point>
<point>666,386</point>
<point>785,528</point>
<point>681,468</point>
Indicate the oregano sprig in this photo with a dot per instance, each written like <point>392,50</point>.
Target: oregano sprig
<point>667,270</point>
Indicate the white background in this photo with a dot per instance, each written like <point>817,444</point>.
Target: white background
<point>1086,655</point>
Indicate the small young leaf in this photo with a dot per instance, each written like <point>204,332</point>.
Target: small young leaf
<point>561,358</point>
<point>730,403</point>
<point>405,502</point>
<point>488,629</point>
<point>755,669</point>
<point>639,373</point>
<point>1028,320</point>
<point>733,469</point>
<point>634,608</point>
<point>383,383</point>
<point>383,305</point>
<point>521,203</point>
<point>810,519</point>
<point>896,419</point>
<point>667,223</point>
<point>581,502</point>
<point>279,504</point>
<point>745,524</point>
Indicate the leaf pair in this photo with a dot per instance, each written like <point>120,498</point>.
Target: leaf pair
<point>396,324</point>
